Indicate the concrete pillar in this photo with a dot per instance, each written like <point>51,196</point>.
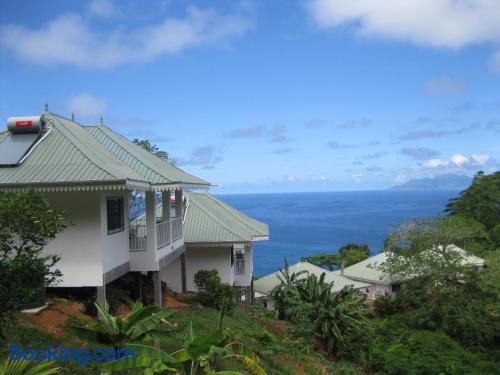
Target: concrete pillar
<point>178,203</point>
<point>151,242</point>
<point>101,298</point>
<point>157,288</point>
<point>165,203</point>
<point>138,286</point>
<point>101,295</point>
<point>183,272</point>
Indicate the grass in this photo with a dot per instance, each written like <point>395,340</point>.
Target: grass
<point>279,348</point>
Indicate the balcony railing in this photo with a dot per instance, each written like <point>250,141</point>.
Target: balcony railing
<point>239,267</point>
<point>176,228</point>
<point>138,234</point>
<point>163,234</point>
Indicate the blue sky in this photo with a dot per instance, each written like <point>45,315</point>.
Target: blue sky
<point>270,96</point>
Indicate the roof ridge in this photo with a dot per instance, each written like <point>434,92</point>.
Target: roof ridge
<point>216,219</point>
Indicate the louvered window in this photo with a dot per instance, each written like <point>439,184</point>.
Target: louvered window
<point>116,222</point>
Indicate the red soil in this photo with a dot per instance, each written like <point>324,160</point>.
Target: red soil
<point>53,318</point>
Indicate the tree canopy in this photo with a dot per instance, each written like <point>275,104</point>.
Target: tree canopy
<point>349,253</point>
<point>27,223</point>
<point>154,149</point>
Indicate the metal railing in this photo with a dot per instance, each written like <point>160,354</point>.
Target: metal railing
<point>176,228</point>
<point>137,236</point>
<point>162,234</point>
<point>239,266</point>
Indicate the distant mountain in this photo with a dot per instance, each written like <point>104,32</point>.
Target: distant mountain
<point>441,182</point>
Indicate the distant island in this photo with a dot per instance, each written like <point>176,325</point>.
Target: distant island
<point>441,182</point>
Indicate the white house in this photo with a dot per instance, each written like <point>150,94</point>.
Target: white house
<point>216,236</point>
<point>368,271</point>
<point>88,171</point>
<point>264,285</point>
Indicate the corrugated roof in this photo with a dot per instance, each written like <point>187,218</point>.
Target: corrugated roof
<point>210,220</point>
<point>69,153</point>
<point>154,169</point>
<point>267,283</point>
<point>368,270</point>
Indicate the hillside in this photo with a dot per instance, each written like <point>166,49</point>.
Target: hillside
<point>441,182</point>
<point>256,329</point>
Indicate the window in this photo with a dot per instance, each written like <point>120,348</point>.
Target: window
<point>115,215</point>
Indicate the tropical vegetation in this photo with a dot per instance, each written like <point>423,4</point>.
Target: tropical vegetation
<point>27,223</point>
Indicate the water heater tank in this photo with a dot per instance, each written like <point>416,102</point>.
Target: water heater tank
<point>25,124</point>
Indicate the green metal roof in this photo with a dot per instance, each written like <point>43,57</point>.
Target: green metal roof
<point>146,164</point>
<point>209,220</point>
<point>369,270</point>
<point>71,153</point>
<point>267,283</point>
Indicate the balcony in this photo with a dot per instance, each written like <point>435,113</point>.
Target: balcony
<point>166,232</point>
<point>239,267</point>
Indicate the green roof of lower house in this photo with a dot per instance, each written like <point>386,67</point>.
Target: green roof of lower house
<point>70,153</point>
<point>267,283</point>
<point>209,220</point>
<point>369,270</point>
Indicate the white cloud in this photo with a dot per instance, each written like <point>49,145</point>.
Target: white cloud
<point>459,159</point>
<point>86,105</point>
<point>102,8</point>
<point>400,178</point>
<point>435,163</point>
<point>438,23</point>
<point>323,178</point>
<point>495,62</point>
<point>445,86</point>
<point>292,178</point>
<point>70,39</point>
<point>357,177</point>
<point>204,156</point>
<point>480,158</point>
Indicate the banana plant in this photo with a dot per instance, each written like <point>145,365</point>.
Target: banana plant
<point>340,314</point>
<point>197,355</point>
<point>315,290</point>
<point>143,322</point>
<point>8,367</point>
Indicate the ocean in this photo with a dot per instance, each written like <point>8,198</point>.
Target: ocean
<point>302,224</point>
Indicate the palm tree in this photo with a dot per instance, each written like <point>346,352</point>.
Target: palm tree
<point>8,367</point>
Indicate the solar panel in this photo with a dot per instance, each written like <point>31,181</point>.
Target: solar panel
<point>14,146</point>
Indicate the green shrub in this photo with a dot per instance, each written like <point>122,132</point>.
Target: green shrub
<point>386,305</point>
<point>212,292</point>
<point>397,349</point>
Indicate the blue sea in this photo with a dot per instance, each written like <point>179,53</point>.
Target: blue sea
<point>303,224</point>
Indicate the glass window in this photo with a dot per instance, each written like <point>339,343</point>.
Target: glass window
<point>116,221</point>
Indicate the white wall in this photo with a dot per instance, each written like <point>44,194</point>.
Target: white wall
<point>208,258</point>
<point>115,247</point>
<point>79,244</point>
<point>171,275</point>
<point>376,289</point>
